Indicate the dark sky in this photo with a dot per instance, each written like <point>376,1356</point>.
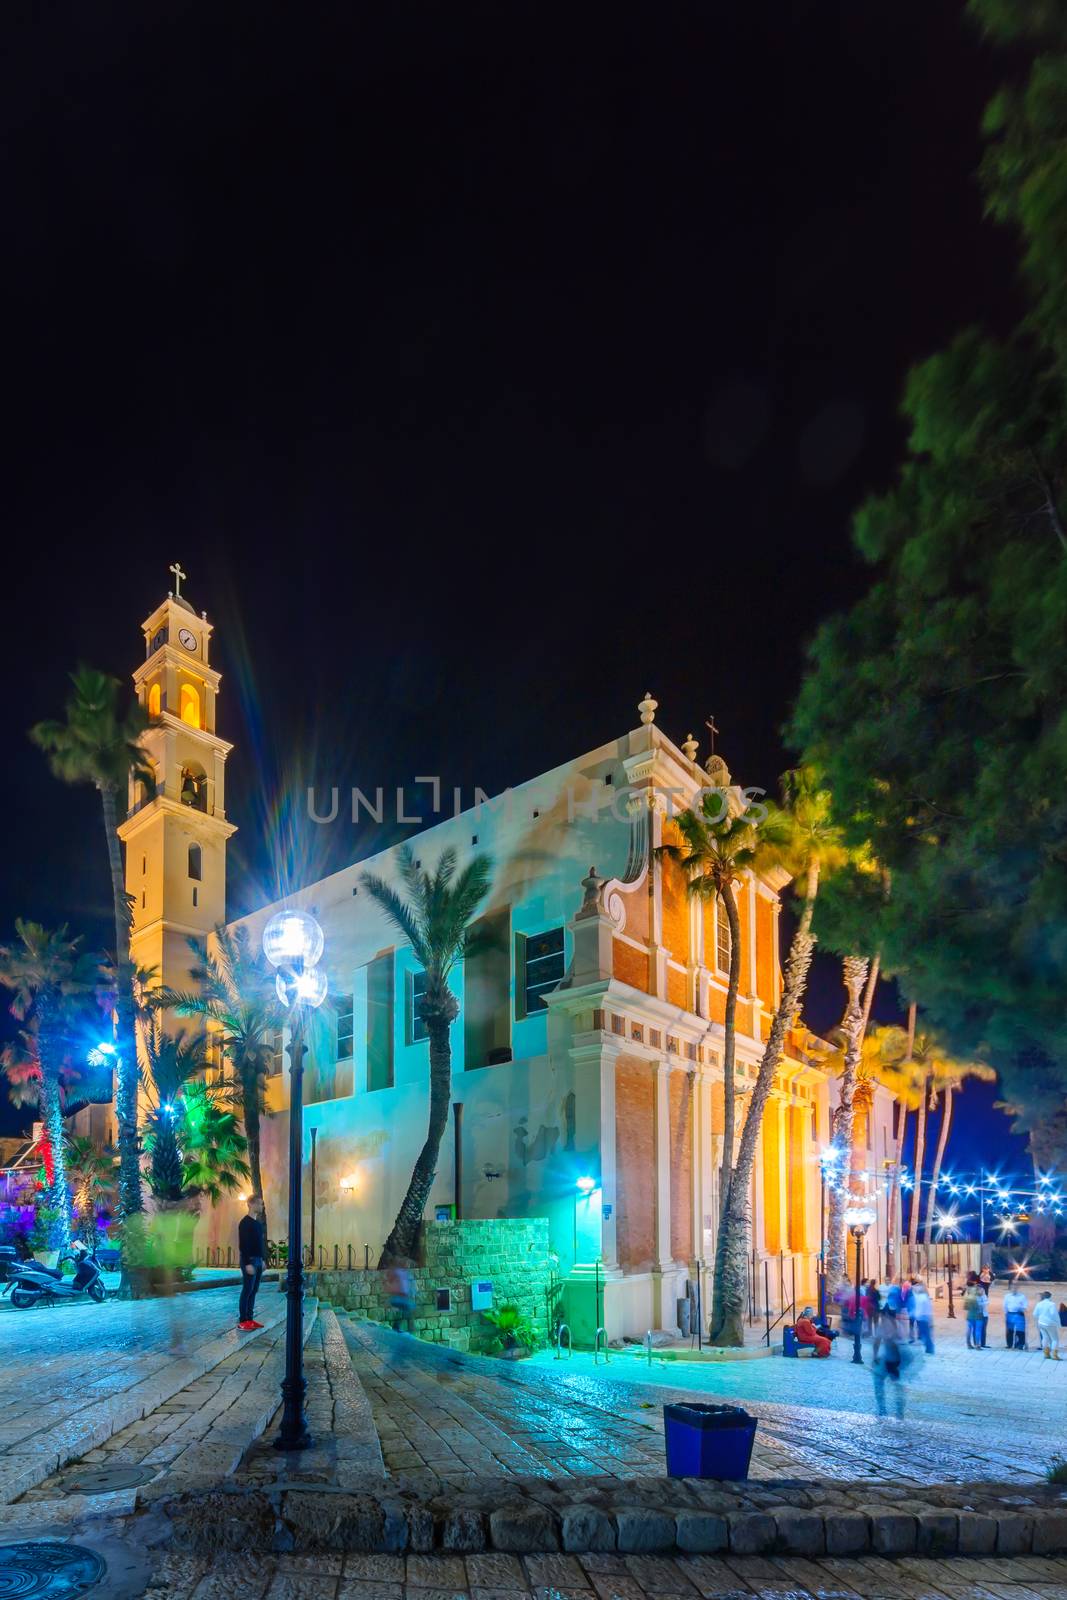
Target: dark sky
<point>483,365</point>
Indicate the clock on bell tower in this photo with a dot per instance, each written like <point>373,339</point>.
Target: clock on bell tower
<point>175,831</point>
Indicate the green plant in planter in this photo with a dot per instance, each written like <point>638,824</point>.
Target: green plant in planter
<point>515,1329</point>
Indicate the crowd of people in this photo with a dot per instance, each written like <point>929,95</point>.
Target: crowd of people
<point>898,1318</point>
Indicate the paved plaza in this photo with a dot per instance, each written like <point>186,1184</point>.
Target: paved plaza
<point>171,1390</point>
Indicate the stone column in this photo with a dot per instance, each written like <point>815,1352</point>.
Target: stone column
<point>663,1259</point>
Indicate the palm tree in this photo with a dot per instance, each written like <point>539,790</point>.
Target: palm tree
<point>52,981</point>
<point>717,847</point>
<point>92,1178</point>
<point>213,1146</point>
<point>949,1076</point>
<point>854,973</point>
<point>99,743</point>
<point>235,993</point>
<point>801,837</point>
<point>434,915</point>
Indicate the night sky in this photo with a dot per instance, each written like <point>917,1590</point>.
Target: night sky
<point>484,366</point>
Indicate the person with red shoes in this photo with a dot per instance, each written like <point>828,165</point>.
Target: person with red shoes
<point>252,1249</point>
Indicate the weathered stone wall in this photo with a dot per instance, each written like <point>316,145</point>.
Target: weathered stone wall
<point>512,1253</point>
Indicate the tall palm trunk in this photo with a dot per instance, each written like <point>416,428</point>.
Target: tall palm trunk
<point>403,1240</point>
<point>855,973</point>
<point>250,1092</point>
<point>920,1157</point>
<point>729,1107</point>
<point>731,1254</point>
<point>130,1196</point>
<point>893,1205</point>
<point>52,1118</point>
<point>939,1156</point>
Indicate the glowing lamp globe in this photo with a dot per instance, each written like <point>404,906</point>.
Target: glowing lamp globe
<point>307,988</point>
<point>292,939</point>
<point>858,1221</point>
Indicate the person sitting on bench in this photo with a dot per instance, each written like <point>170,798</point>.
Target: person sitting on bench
<point>807,1333</point>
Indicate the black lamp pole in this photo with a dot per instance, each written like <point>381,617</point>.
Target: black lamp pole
<point>293,1433</point>
<point>857,1336</point>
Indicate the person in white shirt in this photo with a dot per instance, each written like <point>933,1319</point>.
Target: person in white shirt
<point>1047,1318</point>
<point>1015,1319</point>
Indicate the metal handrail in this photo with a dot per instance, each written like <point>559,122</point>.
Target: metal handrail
<point>648,1345</point>
<point>564,1329</point>
<point>596,1347</point>
<point>790,1310</point>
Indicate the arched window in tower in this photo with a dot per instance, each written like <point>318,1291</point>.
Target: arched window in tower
<point>190,706</point>
<point>194,788</point>
<point>196,862</point>
<point>155,700</point>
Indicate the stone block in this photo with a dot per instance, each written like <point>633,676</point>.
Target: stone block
<point>523,1528</point>
<point>801,1533</point>
<point>1050,1533</point>
<point>848,1533</point>
<point>1014,1533</point>
<point>463,1529</point>
<point>639,1529</point>
<point>977,1534</point>
<point>700,1532</point>
<point>937,1533</point>
<point>420,1528</point>
<point>893,1533</point>
<point>583,1527</point>
<point>752,1533</point>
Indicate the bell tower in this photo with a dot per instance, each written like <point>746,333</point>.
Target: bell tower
<point>176,830</point>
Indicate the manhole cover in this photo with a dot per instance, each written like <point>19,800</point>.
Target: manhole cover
<point>60,1571</point>
<point>105,1480</point>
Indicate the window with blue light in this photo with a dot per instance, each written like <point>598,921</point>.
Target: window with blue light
<point>542,967</point>
<point>417,1030</point>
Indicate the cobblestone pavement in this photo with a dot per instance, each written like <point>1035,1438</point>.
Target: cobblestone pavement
<point>72,1376</point>
<point>496,1576</point>
<point>448,1418</point>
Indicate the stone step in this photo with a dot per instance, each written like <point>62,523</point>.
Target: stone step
<point>29,1460</point>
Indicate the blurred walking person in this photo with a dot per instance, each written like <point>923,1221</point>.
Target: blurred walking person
<point>1015,1318</point>
<point>889,1363</point>
<point>923,1313</point>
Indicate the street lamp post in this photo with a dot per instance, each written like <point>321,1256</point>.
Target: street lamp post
<point>293,943</point>
<point>857,1222</point>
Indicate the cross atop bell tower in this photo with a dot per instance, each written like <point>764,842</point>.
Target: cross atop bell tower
<point>176,830</point>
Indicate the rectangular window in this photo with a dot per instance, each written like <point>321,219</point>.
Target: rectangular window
<point>276,1057</point>
<point>416,1028</point>
<point>380,1022</point>
<point>722,938</point>
<point>344,1027</point>
<point>542,968</point>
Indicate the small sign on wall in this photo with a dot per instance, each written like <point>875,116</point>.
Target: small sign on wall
<point>482,1294</point>
<point>607,1213</point>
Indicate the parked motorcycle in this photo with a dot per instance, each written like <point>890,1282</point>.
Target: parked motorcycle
<point>31,1282</point>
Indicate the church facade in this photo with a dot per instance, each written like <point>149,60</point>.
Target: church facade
<point>587,1055</point>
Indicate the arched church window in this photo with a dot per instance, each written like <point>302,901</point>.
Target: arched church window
<point>155,700</point>
<point>190,706</point>
<point>196,862</point>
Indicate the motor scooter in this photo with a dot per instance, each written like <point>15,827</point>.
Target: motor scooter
<point>31,1283</point>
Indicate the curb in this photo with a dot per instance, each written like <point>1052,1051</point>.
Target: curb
<point>772,1518</point>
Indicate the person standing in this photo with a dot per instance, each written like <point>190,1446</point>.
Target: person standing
<point>1048,1326</point>
<point>252,1249</point>
<point>983,1313</point>
<point>1015,1318</point>
<point>923,1312</point>
<point>972,1311</point>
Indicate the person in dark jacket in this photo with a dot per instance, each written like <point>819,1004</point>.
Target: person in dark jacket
<point>252,1248</point>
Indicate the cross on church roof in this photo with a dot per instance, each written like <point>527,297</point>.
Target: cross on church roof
<point>175,567</point>
<point>713,730</point>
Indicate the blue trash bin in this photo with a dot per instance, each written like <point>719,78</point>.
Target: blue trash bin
<point>789,1341</point>
<point>708,1441</point>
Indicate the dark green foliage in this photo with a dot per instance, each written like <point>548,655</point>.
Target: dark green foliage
<point>936,706</point>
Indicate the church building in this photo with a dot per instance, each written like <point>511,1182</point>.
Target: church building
<point>587,1055</point>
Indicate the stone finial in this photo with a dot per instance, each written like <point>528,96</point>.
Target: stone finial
<point>691,746</point>
<point>647,708</point>
<point>592,888</point>
<point>718,772</point>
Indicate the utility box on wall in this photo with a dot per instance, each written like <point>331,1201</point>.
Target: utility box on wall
<point>482,1294</point>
